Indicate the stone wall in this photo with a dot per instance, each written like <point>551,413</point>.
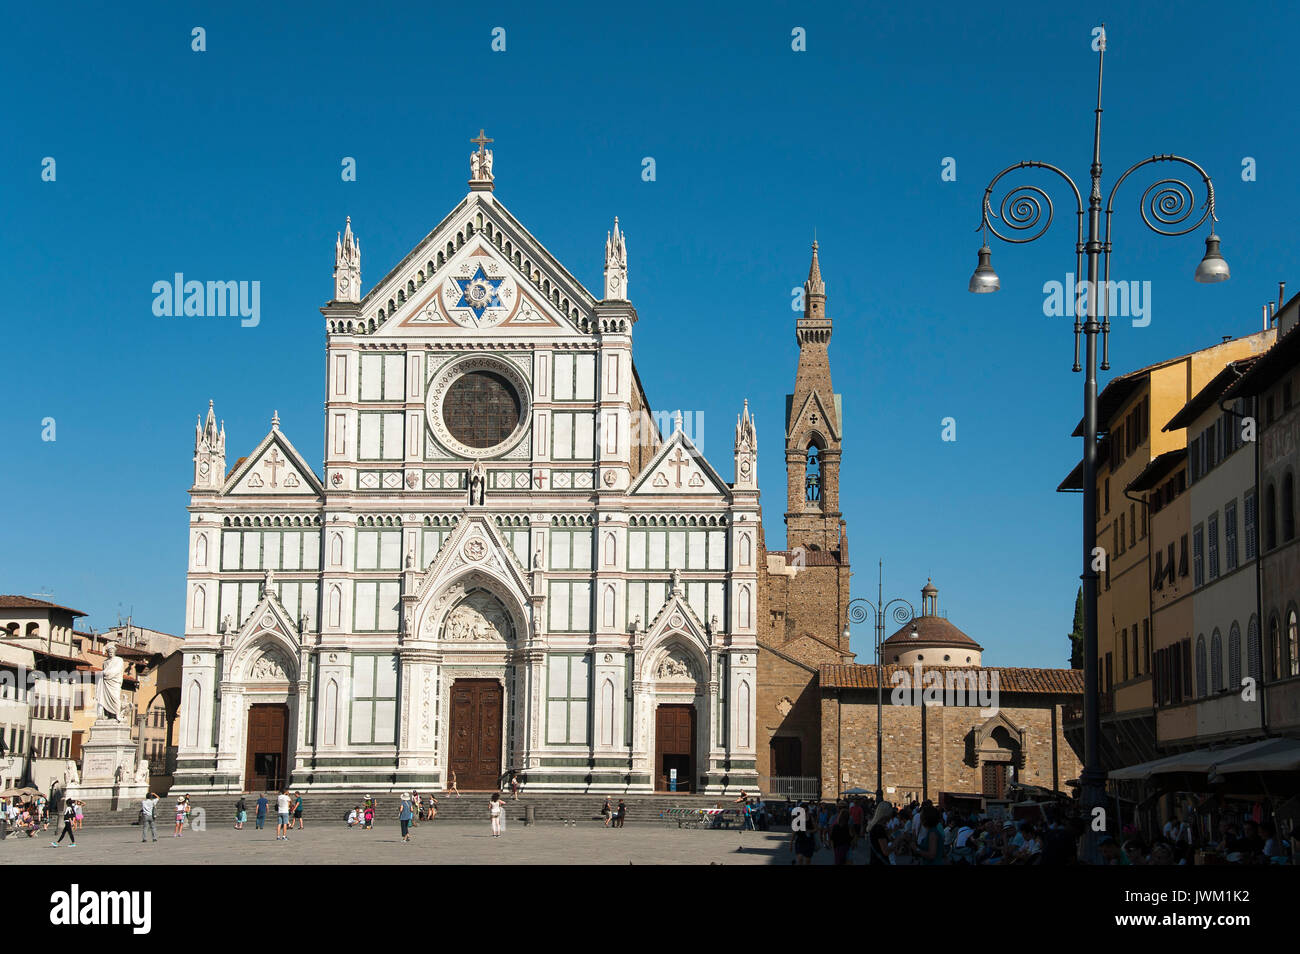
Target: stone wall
<point>933,749</point>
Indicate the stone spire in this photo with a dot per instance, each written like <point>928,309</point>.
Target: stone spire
<point>812,427</point>
<point>615,265</point>
<point>209,452</point>
<point>746,451</point>
<point>347,266</point>
<point>814,289</point>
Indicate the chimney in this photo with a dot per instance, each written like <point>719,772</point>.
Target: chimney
<point>1281,295</point>
<point>1265,308</point>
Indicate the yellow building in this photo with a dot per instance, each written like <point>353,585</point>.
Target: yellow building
<point>1132,410</point>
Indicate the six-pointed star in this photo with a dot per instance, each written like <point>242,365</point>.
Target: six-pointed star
<point>478,293</point>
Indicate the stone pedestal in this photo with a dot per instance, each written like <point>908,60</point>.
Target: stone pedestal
<point>110,776</point>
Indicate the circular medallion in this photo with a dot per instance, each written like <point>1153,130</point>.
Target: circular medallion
<point>478,406</point>
<point>475,549</point>
<point>482,295</point>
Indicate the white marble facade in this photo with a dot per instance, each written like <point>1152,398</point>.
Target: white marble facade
<point>497,538</point>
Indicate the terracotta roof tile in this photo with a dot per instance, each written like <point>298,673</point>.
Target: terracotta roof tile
<point>1010,679</point>
<point>8,601</point>
<point>932,631</point>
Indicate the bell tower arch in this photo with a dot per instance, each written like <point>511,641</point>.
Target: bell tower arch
<point>812,429</point>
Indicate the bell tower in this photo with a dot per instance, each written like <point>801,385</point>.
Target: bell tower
<point>812,429</point>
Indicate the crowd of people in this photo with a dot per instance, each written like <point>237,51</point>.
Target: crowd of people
<point>922,834</point>
<point>33,815</point>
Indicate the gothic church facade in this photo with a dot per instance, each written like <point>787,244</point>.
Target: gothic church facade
<point>503,566</point>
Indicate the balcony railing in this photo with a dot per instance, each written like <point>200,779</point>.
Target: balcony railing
<point>794,786</point>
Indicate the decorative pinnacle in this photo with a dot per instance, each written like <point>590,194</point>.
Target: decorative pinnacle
<point>815,285</point>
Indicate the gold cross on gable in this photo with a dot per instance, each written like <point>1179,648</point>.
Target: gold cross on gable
<point>481,141</point>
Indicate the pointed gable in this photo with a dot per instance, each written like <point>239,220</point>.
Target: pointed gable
<point>679,469</point>
<point>676,619</point>
<point>814,415</point>
<point>479,269</point>
<point>274,468</point>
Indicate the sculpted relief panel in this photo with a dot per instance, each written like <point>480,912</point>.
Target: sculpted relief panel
<point>480,618</point>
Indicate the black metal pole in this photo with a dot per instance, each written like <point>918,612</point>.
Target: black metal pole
<point>1092,781</point>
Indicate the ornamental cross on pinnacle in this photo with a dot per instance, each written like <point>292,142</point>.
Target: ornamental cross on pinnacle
<point>480,163</point>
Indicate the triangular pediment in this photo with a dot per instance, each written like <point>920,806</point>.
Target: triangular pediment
<point>264,648</point>
<point>274,468</point>
<point>676,622</point>
<point>474,555</point>
<point>813,415</point>
<point>679,469</point>
<point>479,270</point>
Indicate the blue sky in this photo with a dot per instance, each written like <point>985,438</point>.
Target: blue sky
<point>225,165</point>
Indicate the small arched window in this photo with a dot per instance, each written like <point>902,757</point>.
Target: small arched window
<point>1270,517</point>
<point>1288,508</point>
<point>812,480</point>
<point>1216,662</point>
<point>1234,657</point>
<point>1274,649</point>
<point>1293,644</point>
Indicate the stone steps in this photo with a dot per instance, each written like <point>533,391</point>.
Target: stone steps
<point>470,806</point>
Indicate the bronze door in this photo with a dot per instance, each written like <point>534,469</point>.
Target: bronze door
<point>675,747</point>
<point>476,707</point>
<point>268,748</point>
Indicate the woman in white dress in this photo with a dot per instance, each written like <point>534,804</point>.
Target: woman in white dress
<point>498,811</point>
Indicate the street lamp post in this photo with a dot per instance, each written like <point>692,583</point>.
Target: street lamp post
<point>1165,207</point>
<point>903,613</point>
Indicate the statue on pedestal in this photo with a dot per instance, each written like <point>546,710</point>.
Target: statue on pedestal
<point>108,692</point>
<point>477,478</point>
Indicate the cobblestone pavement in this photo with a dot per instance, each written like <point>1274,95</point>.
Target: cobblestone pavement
<point>431,843</point>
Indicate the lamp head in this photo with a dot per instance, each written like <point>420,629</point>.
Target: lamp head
<point>1213,267</point>
<point>984,280</point>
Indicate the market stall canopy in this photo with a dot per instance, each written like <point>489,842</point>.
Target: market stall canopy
<point>1274,755</point>
<point>26,792</point>
<point>1196,762</point>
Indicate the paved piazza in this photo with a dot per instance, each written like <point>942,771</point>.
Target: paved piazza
<point>457,843</point>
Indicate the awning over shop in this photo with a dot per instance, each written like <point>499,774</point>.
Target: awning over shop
<point>1196,762</point>
<point>1275,755</point>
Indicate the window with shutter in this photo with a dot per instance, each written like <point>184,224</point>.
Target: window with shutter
<point>1252,538</point>
<point>1198,564</point>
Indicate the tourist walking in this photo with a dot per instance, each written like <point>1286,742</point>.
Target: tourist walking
<point>261,811</point>
<point>282,816</point>
<point>621,814</point>
<point>608,811</point>
<point>241,813</point>
<point>497,811</point>
<point>878,835</point>
<point>803,841</point>
<point>514,786</point>
<point>415,809</point>
<point>841,837</point>
<point>433,807</point>
<point>297,809</point>
<point>368,814</point>
<point>404,815</point>
<point>180,817</point>
<point>929,839</point>
<point>188,823</point>
<point>69,816</point>
<point>453,789</point>
<point>80,807</point>
<point>147,806</point>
